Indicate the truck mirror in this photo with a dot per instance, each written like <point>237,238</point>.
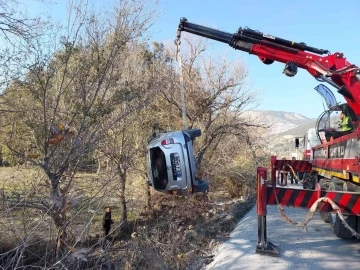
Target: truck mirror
<point>297,143</point>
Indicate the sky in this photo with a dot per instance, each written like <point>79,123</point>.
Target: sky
<point>330,25</point>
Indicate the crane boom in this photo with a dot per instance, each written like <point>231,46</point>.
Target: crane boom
<point>246,34</point>
<point>332,68</point>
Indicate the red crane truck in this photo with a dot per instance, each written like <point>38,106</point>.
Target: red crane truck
<point>334,164</point>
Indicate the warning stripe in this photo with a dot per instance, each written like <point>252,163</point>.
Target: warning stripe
<point>297,165</point>
<point>299,198</point>
<point>344,200</point>
<point>349,203</point>
<point>291,197</point>
<point>287,196</point>
<point>310,198</point>
<point>270,198</point>
<point>353,204</point>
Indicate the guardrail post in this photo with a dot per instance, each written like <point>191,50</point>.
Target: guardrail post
<point>263,246</point>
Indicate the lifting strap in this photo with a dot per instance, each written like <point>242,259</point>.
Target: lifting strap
<point>182,90</point>
<point>171,107</point>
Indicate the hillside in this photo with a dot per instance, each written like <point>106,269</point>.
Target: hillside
<point>284,128</point>
<point>298,131</point>
<point>283,144</point>
<point>279,121</point>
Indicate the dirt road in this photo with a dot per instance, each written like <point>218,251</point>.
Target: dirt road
<point>318,248</point>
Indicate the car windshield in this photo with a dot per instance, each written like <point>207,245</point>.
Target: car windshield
<point>158,168</point>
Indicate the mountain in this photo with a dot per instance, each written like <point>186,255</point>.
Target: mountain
<point>298,131</point>
<point>283,143</point>
<point>279,121</point>
<point>284,128</point>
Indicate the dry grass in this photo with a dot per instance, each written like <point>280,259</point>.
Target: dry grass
<point>178,233</point>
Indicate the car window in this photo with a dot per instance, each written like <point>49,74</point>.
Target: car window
<point>158,168</point>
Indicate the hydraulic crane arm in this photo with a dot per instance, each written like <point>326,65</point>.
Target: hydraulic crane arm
<point>332,68</point>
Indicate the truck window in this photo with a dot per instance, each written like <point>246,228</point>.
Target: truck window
<point>158,168</point>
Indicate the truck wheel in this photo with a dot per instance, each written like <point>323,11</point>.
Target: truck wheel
<point>310,182</point>
<point>325,216</point>
<point>339,228</point>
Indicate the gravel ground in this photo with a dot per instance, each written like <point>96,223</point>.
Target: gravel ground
<point>316,248</point>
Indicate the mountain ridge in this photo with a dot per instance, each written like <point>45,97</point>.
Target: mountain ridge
<point>284,128</point>
<point>279,121</point>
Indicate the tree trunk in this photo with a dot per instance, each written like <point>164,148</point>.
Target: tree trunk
<point>99,166</point>
<point>60,249</point>
<point>148,197</point>
<point>58,214</point>
<point>202,151</point>
<point>107,165</point>
<point>256,164</point>
<point>199,158</point>
<point>123,209</point>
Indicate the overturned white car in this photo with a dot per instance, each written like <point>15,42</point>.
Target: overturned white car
<point>171,164</point>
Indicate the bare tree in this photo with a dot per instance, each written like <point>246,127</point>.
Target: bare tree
<point>124,144</point>
<point>70,97</point>
<point>15,22</point>
<point>217,93</point>
<point>17,30</point>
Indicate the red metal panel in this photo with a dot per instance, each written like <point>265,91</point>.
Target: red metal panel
<point>299,198</point>
<point>270,199</point>
<point>297,165</point>
<point>261,191</point>
<point>344,200</point>
<point>291,197</point>
<point>313,198</point>
<point>348,203</point>
<point>286,198</point>
<point>356,208</point>
<point>273,169</point>
<point>336,164</point>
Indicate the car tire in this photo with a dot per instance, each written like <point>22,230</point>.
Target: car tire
<point>339,228</point>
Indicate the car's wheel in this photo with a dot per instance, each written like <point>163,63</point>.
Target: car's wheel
<point>337,225</point>
<point>339,228</point>
<point>325,216</point>
<point>310,182</point>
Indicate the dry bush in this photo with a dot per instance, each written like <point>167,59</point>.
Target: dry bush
<point>178,232</point>
<point>170,237</point>
<point>235,186</point>
<point>238,184</point>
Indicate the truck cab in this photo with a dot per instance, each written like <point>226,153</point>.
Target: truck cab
<point>327,124</point>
